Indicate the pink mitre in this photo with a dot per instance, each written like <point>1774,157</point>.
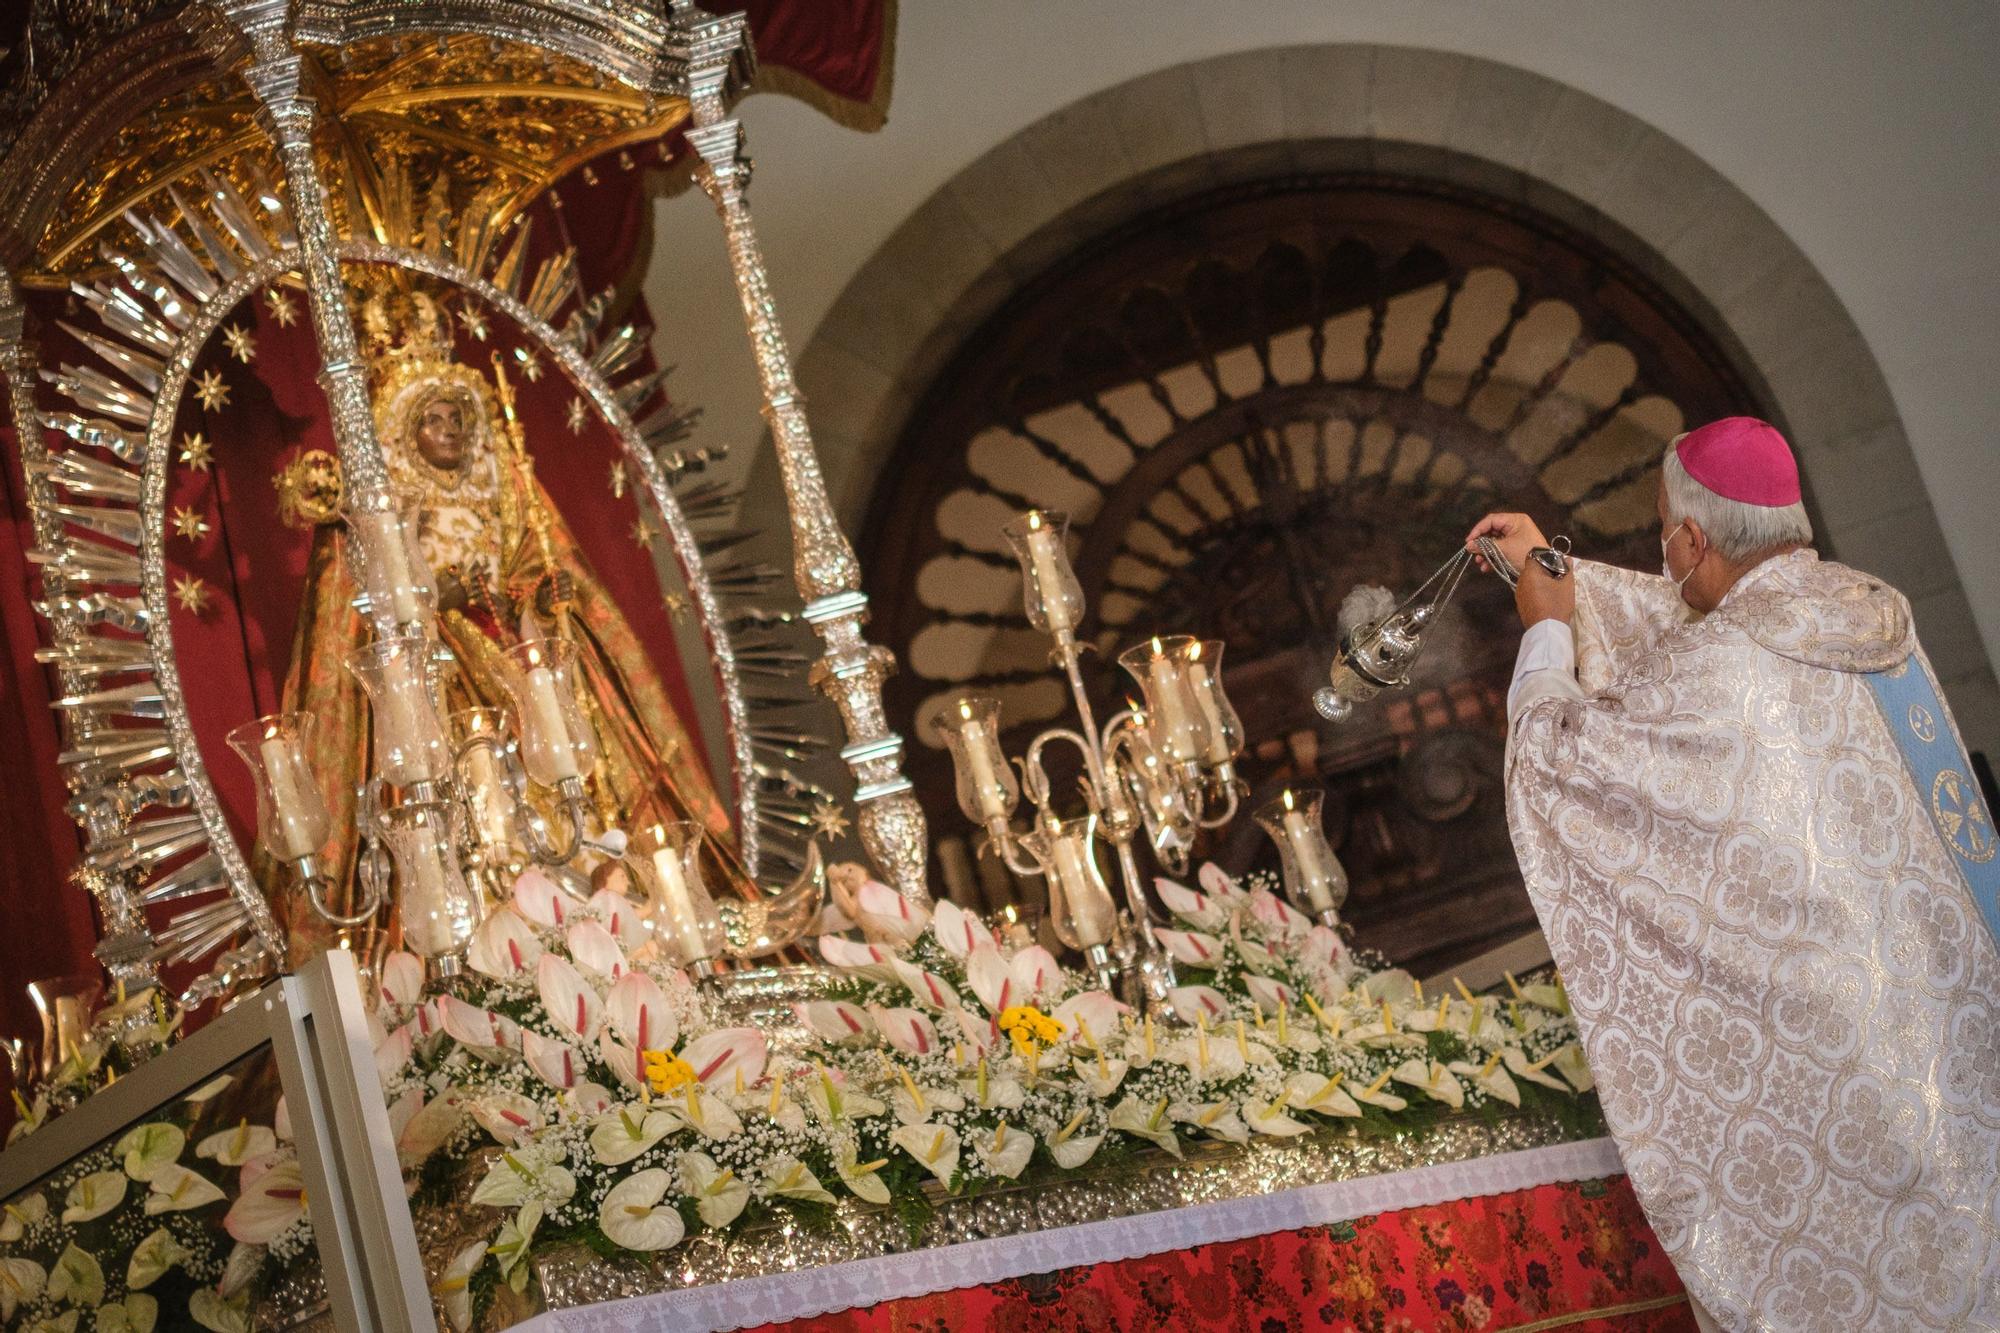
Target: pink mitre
<point>1742,458</point>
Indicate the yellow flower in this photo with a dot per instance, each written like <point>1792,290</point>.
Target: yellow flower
<point>666,1071</point>
<point>1028,1026</point>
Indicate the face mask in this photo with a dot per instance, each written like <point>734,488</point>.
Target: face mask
<point>1666,565</point>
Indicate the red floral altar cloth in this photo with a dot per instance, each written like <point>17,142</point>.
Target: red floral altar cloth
<point>1574,1255</point>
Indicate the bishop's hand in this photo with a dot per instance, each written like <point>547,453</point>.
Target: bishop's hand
<point>452,593</point>
<point>1514,534</point>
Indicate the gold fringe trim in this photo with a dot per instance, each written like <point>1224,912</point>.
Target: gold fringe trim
<point>866,116</point>
<point>1602,1312</point>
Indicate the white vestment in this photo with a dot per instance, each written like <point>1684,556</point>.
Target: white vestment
<point>1785,987</point>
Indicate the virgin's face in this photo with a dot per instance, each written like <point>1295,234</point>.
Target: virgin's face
<point>441,434</point>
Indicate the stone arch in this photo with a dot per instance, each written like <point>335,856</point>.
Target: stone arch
<point>1512,134</point>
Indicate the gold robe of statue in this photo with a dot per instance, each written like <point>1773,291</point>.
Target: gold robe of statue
<point>484,525</point>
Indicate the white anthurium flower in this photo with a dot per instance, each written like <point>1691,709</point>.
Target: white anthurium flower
<point>210,1090</point>
<point>402,979</point>
<point>1518,1064</point>
<point>93,1196</point>
<point>1278,918</point>
<point>719,1195</point>
<point>786,1177</point>
<point>1074,1151</point>
<point>861,1178</point>
<point>1218,1119</point>
<point>870,961</point>
<point>709,1115</point>
<point>1252,952</point>
<point>1324,947</point>
<point>151,1149</point>
<point>556,1063</point>
<point>629,1131</point>
<point>1191,947</point>
<point>718,1057</point>
<point>571,1003</point>
<point>591,1099</point>
<point>527,1176</point>
<point>431,1127</point>
<point>544,902</point>
<point>77,1278</point>
<point>240,1269</point>
<point>393,1051</point>
<point>509,1246</point>
<point>218,1314</point>
<point>234,1147</point>
<point>1307,1091</point>
<point>936,1148</point>
<point>504,946</point>
<point>834,1021</point>
<point>63,1323</point>
<point>1099,1074</point>
<point>991,979</point>
<point>1190,1002</point>
<point>510,1117</point>
<point>23,1280</point>
<point>932,991</point>
<point>1146,1120</point>
<point>18,1216</point>
<point>1267,994</point>
<point>454,1285</point>
<point>1489,1078</point>
<point>152,1258</point>
<point>1005,1152</point>
<point>136,1313</point>
<point>1270,1120</point>
<point>1377,1094</point>
<point>1392,984</point>
<point>178,1190</point>
<point>1211,1059</point>
<point>1546,996</point>
<point>887,915</point>
<point>1569,1062</point>
<point>958,931</point>
<point>595,950</point>
<point>832,1099</point>
<point>621,916</point>
<point>267,1205</point>
<point>634,1217</point>
<point>480,1030</point>
<point>913,1108</point>
<point>1190,905</point>
<point>997,1090</point>
<point>1091,1009</point>
<point>1217,884</point>
<point>1036,971</point>
<point>623,1060</point>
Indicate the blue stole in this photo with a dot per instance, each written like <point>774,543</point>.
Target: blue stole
<point>1943,777</point>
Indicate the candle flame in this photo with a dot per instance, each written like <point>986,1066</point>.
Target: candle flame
<point>1288,801</point>
<point>965,709</point>
<point>1159,650</point>
<point>1034,520</point>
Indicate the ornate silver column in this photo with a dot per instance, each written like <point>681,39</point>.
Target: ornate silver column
<point>851,671</point>
<point>125,941</point>
<point>286,112</point>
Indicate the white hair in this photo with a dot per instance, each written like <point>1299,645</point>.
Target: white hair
<point>1739,532</point>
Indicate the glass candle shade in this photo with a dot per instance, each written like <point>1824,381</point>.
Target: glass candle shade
<point>1050,593</point>
<point>438,909</point>
<point>65,1006</point>
<point>1080,906</point>
<point>667,860</point>
<point>1315,881</point>
<point>557,741</point>
<point>1223,729</point>
<point>479,771</point>
<point>393,571</point>
<point>1163,669</point>
<point>400,676</point>
<point>970,728</point>
<point>292,819</point>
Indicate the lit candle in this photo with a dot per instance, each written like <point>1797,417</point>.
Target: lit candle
<point>386,554</point>
<point>411,740</point>
<point>543,724</point>
<point>1051,565</point>
<point>1169,701</point>
<point>979,745</point>
<point>1206,689</point>
<point>492,816</point>
<point>298,813</point>
<point>1090,909</point>
<point>683,920</point>
<point>1318,872</point>
<point>438,909</point>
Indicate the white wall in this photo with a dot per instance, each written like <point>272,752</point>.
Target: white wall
<point>1870,133</point>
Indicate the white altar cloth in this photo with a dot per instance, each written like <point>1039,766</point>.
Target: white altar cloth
<point>817,1291</point>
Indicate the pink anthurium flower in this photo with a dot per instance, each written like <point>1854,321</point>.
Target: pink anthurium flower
<point>393,1051</point>
<point>992,980</point>
<point>887,914</point>
<point>555,1062</point>
<point>1035,970</point>
<point>716,1056</point>
<point>1189,904</point>
<point>268,1205</point>
<point>402,979</point>
<point>543,901</point>
<point>638,1012</point>
<point>1218,885</point>
<point>979,1030</point>
<point>504,945</point>
<point>595,950</point>
<point>1253,953</point>
<point>862,960</point>
<point>482,1029</point>
<point>958,931</point>
<point>621,916</point>
<point>1277,916</point>
<point>1267,993</point>
<point>833,1020</point>
<point>508,1116</point>
<point>1191,947</point>
<point>571,1003</point>
<point>931,990</point>
<point>1094,1009</point>
<point>623,1060</point>
<point>908,1030</point>
<point>1188,1002</point>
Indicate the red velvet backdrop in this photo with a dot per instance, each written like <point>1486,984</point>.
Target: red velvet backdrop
<point>234,655</point>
